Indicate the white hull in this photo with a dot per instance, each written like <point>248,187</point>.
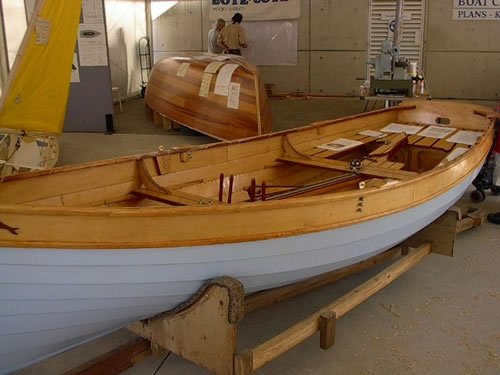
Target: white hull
<point>52,300</point>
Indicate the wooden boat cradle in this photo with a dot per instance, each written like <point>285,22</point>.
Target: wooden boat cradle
<point>205,331</point>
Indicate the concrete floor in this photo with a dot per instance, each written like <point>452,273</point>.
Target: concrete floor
<point>442,317</point>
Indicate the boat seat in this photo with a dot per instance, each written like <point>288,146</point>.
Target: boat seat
<point>175,198</point>
<point>342,166</point>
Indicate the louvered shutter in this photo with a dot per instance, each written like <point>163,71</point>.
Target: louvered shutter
<point>382,13</point>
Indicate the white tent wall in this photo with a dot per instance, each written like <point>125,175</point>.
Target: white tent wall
<point>126,24</point>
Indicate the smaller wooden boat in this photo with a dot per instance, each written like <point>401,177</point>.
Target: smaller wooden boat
<point>218,95</point>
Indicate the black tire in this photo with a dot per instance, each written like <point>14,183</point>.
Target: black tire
<point>478,196</point>
<point>495,190</point>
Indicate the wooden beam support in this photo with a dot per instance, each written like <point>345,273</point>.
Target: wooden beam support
<point>293,336</point>
<point>327,327</point>
<point>441,233</point>
<point>272,296</point>
<point>203,331</point>
<point>115,361</point>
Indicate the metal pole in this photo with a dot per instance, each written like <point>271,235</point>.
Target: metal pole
<point>398,29</point>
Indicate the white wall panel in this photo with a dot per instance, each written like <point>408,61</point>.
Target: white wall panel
<point>335,72</point>
<point>180,28</point>
<point>339,25</point>
<point>126,24</point>
<point>445,34</point>
<point>464,75</point>
<point>288,78</point>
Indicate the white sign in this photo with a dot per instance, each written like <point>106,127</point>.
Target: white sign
<point>438,132</point>
<point>181,72</point>
<point>478,4</point>
<point>401,128</point>
<point>92,11</point>
<point>476,10</point>
<point>233,99</point>
<point>93,55</point>
<point>340,144</point>
<point>255,10</point>
<point>476,14</point>
<point>42,27</point>
<point>205,84</point>
<point>465,137</point>
<point>224,79</point>
<point>92,46</point>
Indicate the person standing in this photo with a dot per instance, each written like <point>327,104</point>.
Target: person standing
<point>232,37</point>
<point>213,36</point>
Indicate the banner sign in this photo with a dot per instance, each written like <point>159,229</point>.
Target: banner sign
<point>255,10</point>
<point>476,10</point>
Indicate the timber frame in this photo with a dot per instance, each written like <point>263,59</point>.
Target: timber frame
<point>204,329</point>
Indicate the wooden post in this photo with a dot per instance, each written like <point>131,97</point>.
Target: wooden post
<point>327,326</point>
<point>243,363</point>
<point>205,331</point>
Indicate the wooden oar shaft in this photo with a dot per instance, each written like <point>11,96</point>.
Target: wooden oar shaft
<point>293,336</point>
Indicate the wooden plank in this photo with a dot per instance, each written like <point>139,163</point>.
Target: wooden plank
<point>414,138</point>
<point>426,142</point>
<point>115,361</point>
<point>268,297</point>
<point>293,336</point>
<point>175,198</point>
<point>391,146</point>
<point>343,166</point>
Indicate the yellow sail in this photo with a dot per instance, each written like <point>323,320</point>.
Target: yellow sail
<point>37,91</point>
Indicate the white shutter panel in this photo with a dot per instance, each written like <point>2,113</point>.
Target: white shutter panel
<point>381,14</point>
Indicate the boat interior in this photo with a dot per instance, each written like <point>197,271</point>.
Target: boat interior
<point>360,152</point>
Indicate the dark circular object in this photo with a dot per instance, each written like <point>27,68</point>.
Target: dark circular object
<point>477,196</point>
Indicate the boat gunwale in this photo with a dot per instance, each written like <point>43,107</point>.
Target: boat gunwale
<point>485,143</point>
<point>124,159</point>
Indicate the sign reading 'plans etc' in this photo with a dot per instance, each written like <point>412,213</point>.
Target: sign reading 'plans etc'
<point>476,10</point>
<point>255,10</point>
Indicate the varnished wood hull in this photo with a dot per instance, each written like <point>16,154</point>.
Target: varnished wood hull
<point>82,270</point>
<point>178,98</point>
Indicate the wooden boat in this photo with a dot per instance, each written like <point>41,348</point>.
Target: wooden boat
<point>219,95</point>
<point>90,248</point>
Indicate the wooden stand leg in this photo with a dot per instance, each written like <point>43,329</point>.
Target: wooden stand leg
<point>167,123</point>
<point>327,326</point>
<point>441,233</point>
<point>157,119</point>
<point>204,332</point>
